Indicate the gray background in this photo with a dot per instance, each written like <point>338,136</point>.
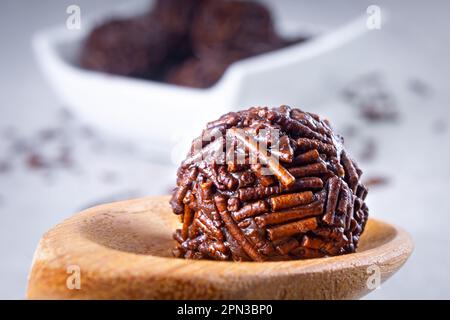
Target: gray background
<point>413,152</point>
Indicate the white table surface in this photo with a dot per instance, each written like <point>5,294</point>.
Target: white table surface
<point>411,152</point>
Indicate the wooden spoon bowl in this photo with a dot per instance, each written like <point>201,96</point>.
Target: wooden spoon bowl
<point>123,251</point>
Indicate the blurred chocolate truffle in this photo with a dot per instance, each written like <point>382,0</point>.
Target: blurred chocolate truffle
<point>242,27</point>
<point>176,17</point>
<point>199,72</point>
<point>131,47</point>
<point>300,197</point>
<point>184,42</point>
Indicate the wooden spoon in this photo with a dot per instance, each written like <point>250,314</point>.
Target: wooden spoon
<point>123,251</point>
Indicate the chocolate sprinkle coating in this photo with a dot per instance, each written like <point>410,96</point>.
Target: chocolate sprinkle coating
<point>308,204</point>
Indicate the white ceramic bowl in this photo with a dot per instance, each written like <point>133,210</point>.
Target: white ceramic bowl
<point>167,116</point>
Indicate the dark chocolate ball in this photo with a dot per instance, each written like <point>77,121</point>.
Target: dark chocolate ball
<point>268,184</point>
<point>199,72</point>
<point>132,47</point>
<point>241,27</point>
<point>176,17</point>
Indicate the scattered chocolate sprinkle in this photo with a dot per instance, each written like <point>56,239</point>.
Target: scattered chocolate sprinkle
<point>376,181</point>
<point>51,148</point>
<point>372,99</point>
<point>375,111</point>
<point>35,161</point>
<point>369,150</point>
<point>419,87</point>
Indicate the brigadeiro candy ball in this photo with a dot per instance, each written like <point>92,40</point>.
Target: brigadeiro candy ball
<point>134,47</point>
<point>268,184</point>
<point>176,17</point>
<point>197,73</point>
<point>200,72</point>
<point>239,27</point>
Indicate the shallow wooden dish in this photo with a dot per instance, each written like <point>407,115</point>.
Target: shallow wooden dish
<point>123,251</point>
